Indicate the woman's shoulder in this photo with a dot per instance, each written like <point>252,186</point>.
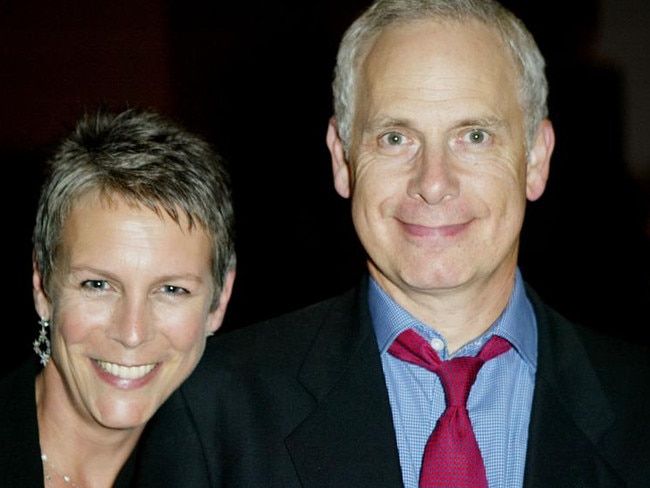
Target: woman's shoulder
<point>20,463</point>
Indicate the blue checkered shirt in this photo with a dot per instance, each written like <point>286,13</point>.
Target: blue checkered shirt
<point>499,403</point>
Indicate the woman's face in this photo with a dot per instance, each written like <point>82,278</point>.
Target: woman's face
<point>130,310</point>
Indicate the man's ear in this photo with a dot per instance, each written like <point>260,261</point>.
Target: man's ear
<point>340,168</point>
<point>539,161</point>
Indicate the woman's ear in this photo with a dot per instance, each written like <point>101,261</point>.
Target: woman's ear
<point>340,168</point>
<point>539,161</point>
<point>217,315</point>
<point>41,301</point>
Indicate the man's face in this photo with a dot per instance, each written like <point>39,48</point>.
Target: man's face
<point>438,171</point>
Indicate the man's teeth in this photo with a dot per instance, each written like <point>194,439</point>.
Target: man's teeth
<point>126,372</point>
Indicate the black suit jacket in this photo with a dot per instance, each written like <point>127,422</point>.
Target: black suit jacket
<point>301,401</point>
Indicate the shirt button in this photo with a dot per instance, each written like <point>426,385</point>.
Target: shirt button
<point>437,344</point>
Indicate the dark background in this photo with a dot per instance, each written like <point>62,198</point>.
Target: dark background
<point>254,78</point>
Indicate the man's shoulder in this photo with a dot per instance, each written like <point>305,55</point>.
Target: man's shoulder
<point>601,346</point>
<point>285,335</point>
<point>569,351</point>
<point>292,322</point>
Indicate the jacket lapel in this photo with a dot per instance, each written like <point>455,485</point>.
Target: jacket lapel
<point>349,439</point>
<point>569,414</point>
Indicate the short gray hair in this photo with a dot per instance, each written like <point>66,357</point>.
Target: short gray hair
<point>357,40</point>
<point>146,159</point>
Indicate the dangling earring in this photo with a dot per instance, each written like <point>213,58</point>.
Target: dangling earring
<point>42,343</point>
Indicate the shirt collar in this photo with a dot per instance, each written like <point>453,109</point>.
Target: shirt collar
<point>516,323</point>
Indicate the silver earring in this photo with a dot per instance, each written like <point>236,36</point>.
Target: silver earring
<point>42,343</point>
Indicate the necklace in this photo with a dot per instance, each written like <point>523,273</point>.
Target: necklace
<point>47,466</point>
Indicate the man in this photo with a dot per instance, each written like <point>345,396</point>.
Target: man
<point>440,137</point>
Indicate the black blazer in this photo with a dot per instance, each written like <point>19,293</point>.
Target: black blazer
<point>300,401</point>
<point>20,451</point>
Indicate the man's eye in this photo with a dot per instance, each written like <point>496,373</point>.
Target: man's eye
<point>393,138</point>
<point>477,136</point>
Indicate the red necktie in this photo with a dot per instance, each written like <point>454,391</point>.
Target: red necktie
<point>452,458</point>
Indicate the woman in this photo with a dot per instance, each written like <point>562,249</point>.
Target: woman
<point>133,268</point>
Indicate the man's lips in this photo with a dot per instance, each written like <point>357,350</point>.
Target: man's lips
<point>444,230</point>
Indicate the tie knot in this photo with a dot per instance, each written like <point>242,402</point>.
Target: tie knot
<point>456,375</point>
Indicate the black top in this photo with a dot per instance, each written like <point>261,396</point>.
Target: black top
<point>20,452</point>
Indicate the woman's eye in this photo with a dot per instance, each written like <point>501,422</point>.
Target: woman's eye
<point>95,284</point>
<point>174,290</point>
